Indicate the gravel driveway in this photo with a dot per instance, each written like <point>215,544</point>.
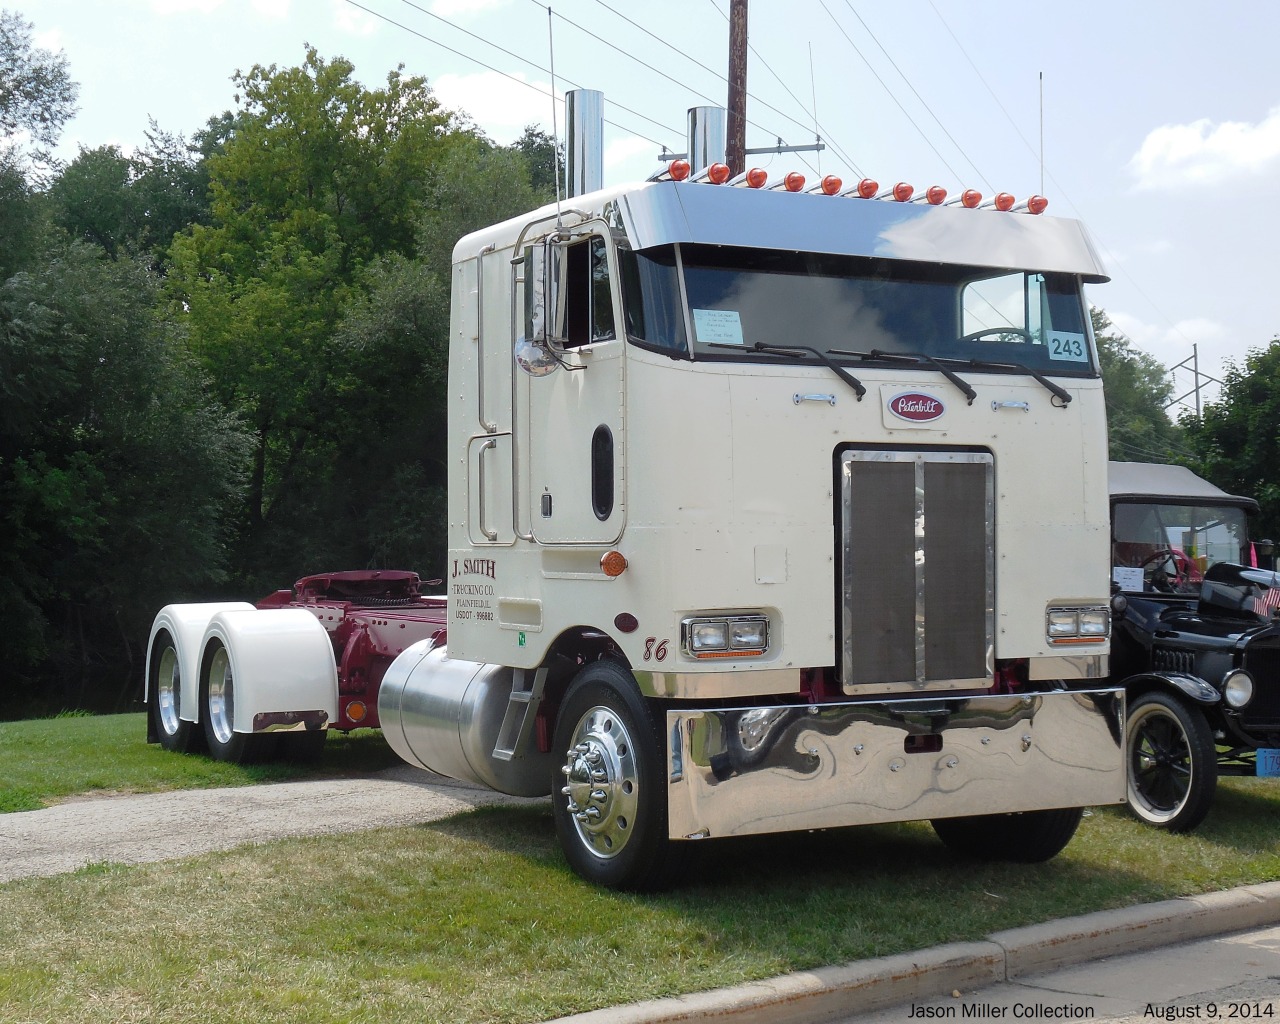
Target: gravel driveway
<point>163,826</point>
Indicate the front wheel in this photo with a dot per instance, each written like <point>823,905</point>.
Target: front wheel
<point>1026,838</point>
<point>1173,764</point>
<point>609,800</point>
<point>217,692</point>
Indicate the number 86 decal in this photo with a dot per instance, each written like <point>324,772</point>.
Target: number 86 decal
<point>650,654</point>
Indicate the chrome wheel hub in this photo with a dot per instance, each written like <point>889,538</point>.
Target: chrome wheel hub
<point>221,709</point>
<point>602,785</point>
<point>168,691</point>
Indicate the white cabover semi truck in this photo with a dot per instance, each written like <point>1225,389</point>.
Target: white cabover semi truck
<point>772,509</point>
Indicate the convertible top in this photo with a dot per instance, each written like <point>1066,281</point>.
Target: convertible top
<point>1152,481</point>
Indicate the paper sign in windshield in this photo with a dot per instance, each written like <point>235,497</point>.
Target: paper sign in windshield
<point>1129,578</point>
<point>1072,348</point>
<point>719,326</point>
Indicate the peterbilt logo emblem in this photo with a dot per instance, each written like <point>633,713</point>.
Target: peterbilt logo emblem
<point>911,405</point>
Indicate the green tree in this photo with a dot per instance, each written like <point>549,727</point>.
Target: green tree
<point>1237,438</point>
<point>116,473</point>
<point>312,182</point>
<point>1138,389</point>
<point>37,96</point>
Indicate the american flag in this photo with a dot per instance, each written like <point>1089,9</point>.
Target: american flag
<point>1269,603</point>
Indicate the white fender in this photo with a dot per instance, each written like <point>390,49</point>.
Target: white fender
<point>281,662</point>
<point>185,624</point>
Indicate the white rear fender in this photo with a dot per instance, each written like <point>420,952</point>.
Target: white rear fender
<point>185,624</point>
<point>282,667</point>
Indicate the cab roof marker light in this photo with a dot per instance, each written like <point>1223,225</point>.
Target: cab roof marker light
<point>970,199</point>
<point>679,170</point>
<point>716,174</point>
<point>865,189</point>
<point>756,177</point>
<point>1034,205</point>
<point>793,182</point>
<point>828,186</point>
<point>934,195</point>
<point>900,193</point>
<point>1001,201</point>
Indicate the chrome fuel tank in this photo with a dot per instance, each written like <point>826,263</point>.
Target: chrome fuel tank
<point>446,715</point>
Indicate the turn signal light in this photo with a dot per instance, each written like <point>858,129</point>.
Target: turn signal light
<point>679,170</point>
<point>613,563</point>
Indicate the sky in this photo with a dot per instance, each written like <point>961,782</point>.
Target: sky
<point>1157,124</point>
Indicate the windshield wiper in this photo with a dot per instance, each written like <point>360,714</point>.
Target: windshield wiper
<point>795,352</point>
<point>1063,395</point>
<point>918,358</point>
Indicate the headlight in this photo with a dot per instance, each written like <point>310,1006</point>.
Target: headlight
<point>728,636</point>
<point>1237,688</point>
<point>1083,624</point>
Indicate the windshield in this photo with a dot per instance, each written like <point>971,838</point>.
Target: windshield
<point>856,307</point>
<point>1159,548</point>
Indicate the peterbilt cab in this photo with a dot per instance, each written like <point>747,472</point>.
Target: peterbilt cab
<point>1195,640</point>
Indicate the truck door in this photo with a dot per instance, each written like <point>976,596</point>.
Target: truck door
<point>575,415</point>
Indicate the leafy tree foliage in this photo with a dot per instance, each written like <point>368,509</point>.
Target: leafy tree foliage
<point>37,96</point>
<point>132,205</point>
<point>1138,388</point>
<point>544,158</point>
<point>115,470</point>
<point>1237,437</point>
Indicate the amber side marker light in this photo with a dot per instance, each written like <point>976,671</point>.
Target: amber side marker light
<point>613,563</point>
<point>356,711</point>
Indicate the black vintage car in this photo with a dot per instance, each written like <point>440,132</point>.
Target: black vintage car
<point>1195,640</point>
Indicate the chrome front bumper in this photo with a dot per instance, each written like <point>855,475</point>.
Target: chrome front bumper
<point>744,771</point>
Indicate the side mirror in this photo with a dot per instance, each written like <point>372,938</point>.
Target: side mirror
<point>544,309</point>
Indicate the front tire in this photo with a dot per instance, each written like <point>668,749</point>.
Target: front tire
<point>1026,838</point>
<point>608,795</point>
<point>1173,764</point>
<point>164,699</point>
<point>217,695</point>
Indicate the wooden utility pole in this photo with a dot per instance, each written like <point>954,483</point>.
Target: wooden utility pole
<point>736,144</point>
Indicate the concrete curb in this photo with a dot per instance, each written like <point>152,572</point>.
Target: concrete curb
<point>809,997</point>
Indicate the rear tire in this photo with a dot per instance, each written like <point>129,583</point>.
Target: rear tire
<point>164,699</point>
<point>1026,838</point>
<point>217,706</point>
<point>609,799</point>
<point>1173,762</point>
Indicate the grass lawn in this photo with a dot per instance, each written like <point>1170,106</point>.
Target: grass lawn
<point>478,918</point>
<point>45,760</point>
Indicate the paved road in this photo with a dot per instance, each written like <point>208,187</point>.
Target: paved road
<point>164,826</point>
<point>1234,979</point>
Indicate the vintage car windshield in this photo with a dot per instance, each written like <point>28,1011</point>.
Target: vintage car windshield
<point>1159,548</point>
<point>858,309</point>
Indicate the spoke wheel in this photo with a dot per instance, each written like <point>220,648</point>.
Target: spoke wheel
<point>1172,762</point>
<point>164,698</point>
<point>609,799</point>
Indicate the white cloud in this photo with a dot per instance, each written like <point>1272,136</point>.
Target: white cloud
<point>1201,152</point>
<point>621,152</point>
<point>352,21</point>
<point>501,107</point>
<point>50,39</point>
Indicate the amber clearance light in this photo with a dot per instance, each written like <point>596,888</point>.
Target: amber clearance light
<point>613,563</point>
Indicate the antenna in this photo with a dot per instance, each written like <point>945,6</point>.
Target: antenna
<point>813,88</point>
<point>1042,133</point>
<point>555,129</point>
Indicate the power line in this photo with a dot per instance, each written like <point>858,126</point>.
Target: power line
<point>497,71</point>
<point>959,148</point>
